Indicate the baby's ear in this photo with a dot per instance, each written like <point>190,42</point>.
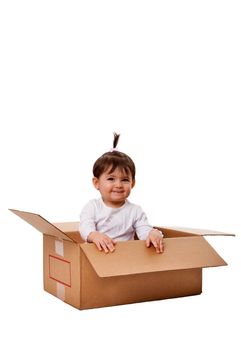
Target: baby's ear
<point>95,181</point>
<point>133,183</point>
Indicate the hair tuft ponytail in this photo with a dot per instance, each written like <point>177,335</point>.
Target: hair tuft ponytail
<point>116,139</point>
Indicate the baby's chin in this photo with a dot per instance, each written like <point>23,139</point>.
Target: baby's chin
<point>117,202</point>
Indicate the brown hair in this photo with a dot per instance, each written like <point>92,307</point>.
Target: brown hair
<point>114,159</point>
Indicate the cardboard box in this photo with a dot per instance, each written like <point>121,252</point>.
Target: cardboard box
<point>77,273</point>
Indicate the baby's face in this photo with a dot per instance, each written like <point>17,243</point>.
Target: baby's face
<point>114,187</point>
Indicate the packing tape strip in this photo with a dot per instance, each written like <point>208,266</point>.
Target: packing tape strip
<point>59,247</point>
<point>60,291</point>
<point>60,288</point>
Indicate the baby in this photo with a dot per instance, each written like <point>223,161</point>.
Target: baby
<point>112,218</point>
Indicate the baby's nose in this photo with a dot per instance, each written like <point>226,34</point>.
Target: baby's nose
<point>118,183</point>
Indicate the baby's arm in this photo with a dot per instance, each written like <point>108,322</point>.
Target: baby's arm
<point>102,241</point>
<point>155,237</point>
<point>145,231</point>
<point>88,229</point>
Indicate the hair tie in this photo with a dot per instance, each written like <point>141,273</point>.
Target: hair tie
<point>113,149</point>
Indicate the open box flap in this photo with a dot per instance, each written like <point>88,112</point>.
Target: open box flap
<point>41,224</point>
<point>71,229</point>
<point>132,257</point>
<point>188,231</point>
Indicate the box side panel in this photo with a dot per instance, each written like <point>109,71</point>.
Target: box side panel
<point>62,269</point>
<point>100,292</point>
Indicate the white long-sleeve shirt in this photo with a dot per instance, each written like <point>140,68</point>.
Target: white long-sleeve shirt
<point>120,224</point>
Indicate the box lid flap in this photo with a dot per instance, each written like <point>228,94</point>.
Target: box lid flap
<point>71,229</point>
<point>41,224</point>
<point>188,231</point>
<point>132,257</point>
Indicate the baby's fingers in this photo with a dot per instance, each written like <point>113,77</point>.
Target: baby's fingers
<point>148,242</point>
<point>158,244</point>
<point>104,246</point>
<point>161,246</point>
<point>110,246</point>
<point>107,246</point>
<point>98,245</point>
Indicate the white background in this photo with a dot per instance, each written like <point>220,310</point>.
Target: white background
<point>164,74</point>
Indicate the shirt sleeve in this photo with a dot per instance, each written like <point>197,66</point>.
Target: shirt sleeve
<point>142,226</point>
<point>87,220</point>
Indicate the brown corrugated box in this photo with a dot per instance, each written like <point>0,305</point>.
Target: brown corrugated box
<point>77,273</point>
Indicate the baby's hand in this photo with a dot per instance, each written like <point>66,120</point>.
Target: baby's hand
<point>102,241</point>
<point>155,237</point>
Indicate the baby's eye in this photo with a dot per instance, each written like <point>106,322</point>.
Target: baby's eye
<point>126,180</point>
<point>110,178</point>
